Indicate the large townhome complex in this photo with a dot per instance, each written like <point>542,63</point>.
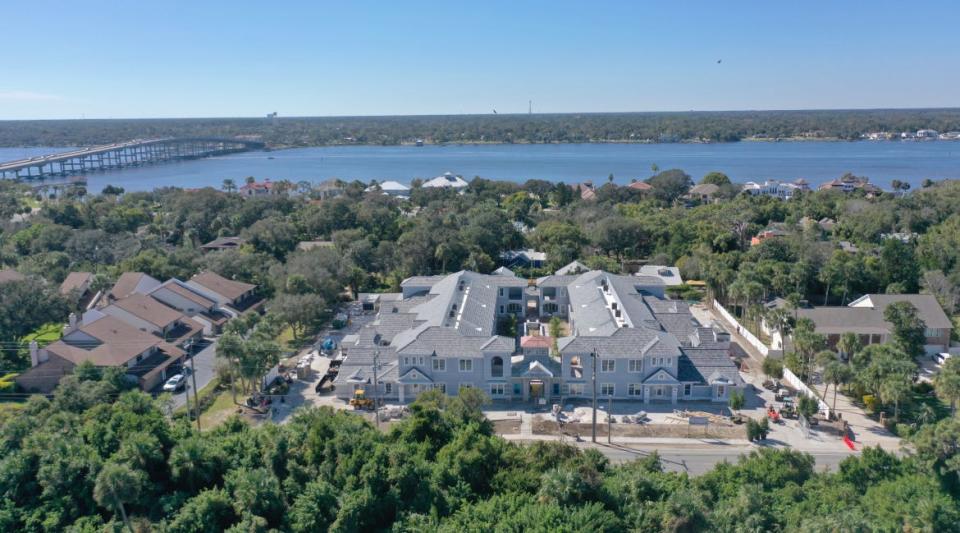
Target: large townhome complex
<point>489,331</point>
<point>143,325</point>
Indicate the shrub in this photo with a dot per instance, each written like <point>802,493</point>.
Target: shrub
<point>870,402</point>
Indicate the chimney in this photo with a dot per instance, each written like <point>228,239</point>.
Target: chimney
<point>34,354</point>
<point>72,323</point>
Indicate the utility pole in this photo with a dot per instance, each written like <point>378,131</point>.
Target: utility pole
<point>609,419</point>
<point>376,387</point>
<point>196,398</point>
<point>593,355</point>
<point>186,395</point>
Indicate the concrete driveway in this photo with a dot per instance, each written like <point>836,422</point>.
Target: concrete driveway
<point>203,361</point>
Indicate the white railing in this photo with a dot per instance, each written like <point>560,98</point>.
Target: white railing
<point>802,387</point>
<point>742,331</point>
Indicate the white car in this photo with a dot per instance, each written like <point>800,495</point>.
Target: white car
<point>941,358</point>
<point>175,384</point>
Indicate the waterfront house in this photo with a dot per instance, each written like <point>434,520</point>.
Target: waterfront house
<point>528,258</point>
<point>255,188</point>
<point>448,180</point>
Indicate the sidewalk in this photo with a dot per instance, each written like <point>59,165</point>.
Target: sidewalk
<point>867,432</point>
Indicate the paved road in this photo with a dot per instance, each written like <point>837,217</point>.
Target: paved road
<point>698,460</point>
<point>203,362</point>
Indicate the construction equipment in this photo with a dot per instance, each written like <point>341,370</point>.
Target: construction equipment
<point>360,400</point>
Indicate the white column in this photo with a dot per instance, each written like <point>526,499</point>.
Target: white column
<point>646,394</point>
<point>673,398</point>
<point>402,388</point>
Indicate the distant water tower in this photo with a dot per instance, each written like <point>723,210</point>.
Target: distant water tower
<point>273,118</point>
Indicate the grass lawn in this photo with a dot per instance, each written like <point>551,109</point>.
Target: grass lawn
<point>221,409</point>
<point>44,334</point>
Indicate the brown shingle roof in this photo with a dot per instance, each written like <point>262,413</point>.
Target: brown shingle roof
<point>11,275</point>
<point>221,285</point>
<point>146,308</point>
<point>176,288</point>
<point>75,281</point>
<point>126,284</point>
<point>118,343</point>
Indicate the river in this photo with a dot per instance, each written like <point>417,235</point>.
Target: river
<point>817,162</point>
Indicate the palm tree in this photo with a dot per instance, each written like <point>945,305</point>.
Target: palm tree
<point>442,254</point>
<point>836,374</point>
<point>849,344</point>
<point>895,389</point>
<point>780,321</point>
<point>947,382</point>
<point>229,185</point>
<point>116,484</point>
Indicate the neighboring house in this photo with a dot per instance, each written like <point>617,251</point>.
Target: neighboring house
<point>864,317</point>
<point>523,258</point>
<point>77,284</point>
<point>776,188</point>
<point>586,190</point>
<point>641,186</point>
<point>766,235</point>
<point>670,276</point>
<point>258,188</point>
<point>571,268</point>
<point>705,192</point>
<point>9,275</point>
<point>148,314</point>
<point>850,183</point>
<point>331,188</point>
<point>440,332</point>
<point>132,282</point>
<point>105,341</point>
<point>447,181</point>
<point>390,188</point>
<point>193,303</point>
<point>223,243</point>
<point>236,295</point>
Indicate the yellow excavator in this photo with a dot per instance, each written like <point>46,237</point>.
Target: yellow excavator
<point>360,400</point>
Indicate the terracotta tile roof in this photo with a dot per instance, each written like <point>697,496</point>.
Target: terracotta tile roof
<point>11,275</point>
<point>117,343</point>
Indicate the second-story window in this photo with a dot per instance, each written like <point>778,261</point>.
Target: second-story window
<point>440,365</point>
<point>608,365</point>
<point>466,365</point>
<point>636,365</point>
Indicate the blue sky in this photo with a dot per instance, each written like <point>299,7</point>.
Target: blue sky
<point>98,59</point>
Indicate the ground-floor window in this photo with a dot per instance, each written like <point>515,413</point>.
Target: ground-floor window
<point>441,386</point>
<point>720,391</point>
<point>607,389</point>
<point>466,385</point>
<point>687,389</point>
<point>388,388</point>
<point>497,389</point>
<point>517,389</point>
<point>556,389</point>
<point>576,389</point>
<point>635,389</point>
<point>658,391</point>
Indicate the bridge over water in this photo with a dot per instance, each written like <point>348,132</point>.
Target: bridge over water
<point>137,152</point>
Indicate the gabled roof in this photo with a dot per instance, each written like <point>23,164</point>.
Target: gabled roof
<point>928,308</point>
<point>116,343</point>
<point>572,268</point>
<point>75,281</point>
<point>225,287</point>
<point>224,243</point>
<point>128,282</point>
<point>184,292</point>
<point>149,309</point>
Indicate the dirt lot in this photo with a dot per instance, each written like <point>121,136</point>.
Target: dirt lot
<point>549,427</point>
<point>506,427</point>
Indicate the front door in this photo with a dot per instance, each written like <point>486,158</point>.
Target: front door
<point>536,390</point>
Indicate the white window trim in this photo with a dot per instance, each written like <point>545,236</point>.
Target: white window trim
<point>611,386</point>
<point>637,365</point>
<point>440,365</point>
<point>465,362</point>
<point>613,365</point>
<point>498,389</point>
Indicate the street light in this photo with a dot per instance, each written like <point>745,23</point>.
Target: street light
<point>593,356</point>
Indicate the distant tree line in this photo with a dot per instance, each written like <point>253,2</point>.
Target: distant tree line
<point>726,126</point>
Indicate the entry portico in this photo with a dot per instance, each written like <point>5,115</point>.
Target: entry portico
<point>413,382</point>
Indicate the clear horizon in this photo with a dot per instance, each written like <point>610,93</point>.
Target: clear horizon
<point>307,59</point>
